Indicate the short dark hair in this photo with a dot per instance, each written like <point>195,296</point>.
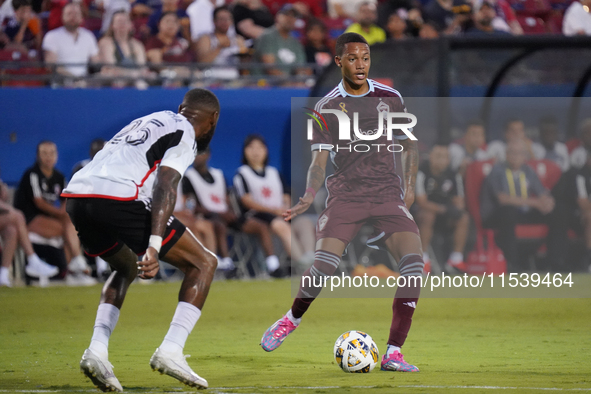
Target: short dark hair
<point>165,14</point>
<point>16,4</point>
<point>347,38</point>
<point>201,98</point>
<point>249,140</point>
<point>220,9</point>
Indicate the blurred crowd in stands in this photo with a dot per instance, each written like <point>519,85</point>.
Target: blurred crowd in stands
<point>131,42</point>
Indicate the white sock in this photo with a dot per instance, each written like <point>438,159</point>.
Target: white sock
<point>426,257</point>
<point>225,263</point>
<point>4,275</point>
<point>456,257</point>
<point>391,349</point>
<point>184,319</point>
<point>34,260</point>
<point>272,263</point>
<point>106,319</point>
<point>296,322</point>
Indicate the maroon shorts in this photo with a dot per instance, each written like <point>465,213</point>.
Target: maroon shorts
<point>343,219</point>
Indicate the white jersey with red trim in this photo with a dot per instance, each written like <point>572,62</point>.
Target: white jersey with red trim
<point>125,169</point>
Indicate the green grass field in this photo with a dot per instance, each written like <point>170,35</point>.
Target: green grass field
<point>460,345</point>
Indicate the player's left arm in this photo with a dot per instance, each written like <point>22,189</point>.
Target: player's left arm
<point>163,202</point>
<point>410,166</point>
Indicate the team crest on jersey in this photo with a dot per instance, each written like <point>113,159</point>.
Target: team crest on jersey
<point>383,107</point>
<point>322,222</point>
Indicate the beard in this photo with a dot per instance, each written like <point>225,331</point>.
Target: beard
<point>204,140</point>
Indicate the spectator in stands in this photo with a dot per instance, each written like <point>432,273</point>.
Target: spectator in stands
<point>262,196</point>
<point>578,157</point>
<point>38,197</point>
<point>472,148</point>
<point>549,147</point>
<point>577,19</point>
<point>345,9</point>
<point>514,130</point>
<point>513,194</point>
<point>317,50</point>
<point>13,231</point>
<point>167,47</point>
<point>200,13</point>
<point>56,10</point>
<point>401,7</point>
<point>171,6</point>
<point>109,8</point>
<point>483,21</point>
<point>396,28</point>
<point>306,8</point>
<point>440,199</point>
<point>22,30</point>
<point>252,18</point>
<point>95,147</point>
<point>220,47</point>
<point>365,24</point>
<point>123,55</point>
<point>208,186</point>
<point>71,44</point>
<point>428,32</point>
<point>277,47</point>
<point>448,16</point>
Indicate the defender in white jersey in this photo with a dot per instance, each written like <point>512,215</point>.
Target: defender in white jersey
<point>121,204</point>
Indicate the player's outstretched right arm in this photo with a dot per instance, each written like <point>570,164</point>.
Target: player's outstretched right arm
<point>315,180</point>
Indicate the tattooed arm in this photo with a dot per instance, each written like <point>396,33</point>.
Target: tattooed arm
<point>163,201</point>
<point>315,180</point>
<point>410,166</point>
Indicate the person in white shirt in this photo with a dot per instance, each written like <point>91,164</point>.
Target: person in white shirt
<point>472,149</point>
<point>71,44</point>
<point>121,204</point>
<point>549,147</point>
<point>201,16</point>
<point>577,20</point>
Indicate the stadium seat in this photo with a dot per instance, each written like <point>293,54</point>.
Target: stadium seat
<point>532,24</point>
<point>482,259</point>
<point>20,69</point>
<point>539,8</point>
<point>572,144</point>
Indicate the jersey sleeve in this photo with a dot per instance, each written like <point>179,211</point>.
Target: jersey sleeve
<point>182,155</point>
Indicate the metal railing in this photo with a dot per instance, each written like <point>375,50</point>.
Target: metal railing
<point>27,73</point>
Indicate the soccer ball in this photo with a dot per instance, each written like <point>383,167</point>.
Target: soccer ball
<point>355,351</point>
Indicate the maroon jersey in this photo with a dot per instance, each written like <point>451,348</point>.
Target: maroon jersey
<point>365,171</point>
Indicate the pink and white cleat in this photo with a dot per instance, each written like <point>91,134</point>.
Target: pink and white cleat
<point>276,334</point>
<point>395,362</point>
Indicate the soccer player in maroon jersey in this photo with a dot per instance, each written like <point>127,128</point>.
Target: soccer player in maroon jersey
<point>363,189</point>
